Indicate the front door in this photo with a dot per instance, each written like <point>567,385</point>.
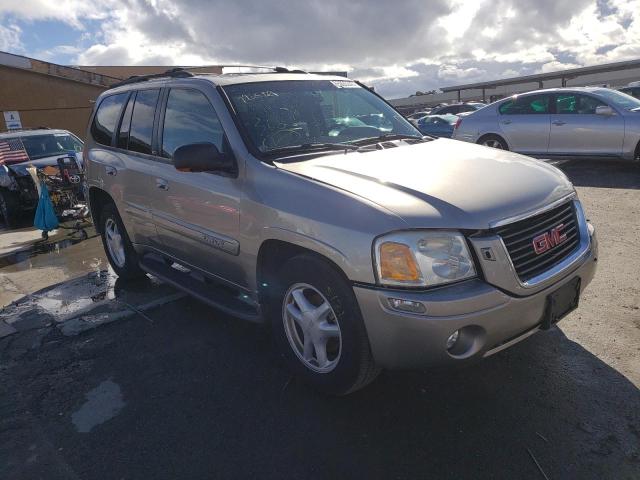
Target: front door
<point>197,215</point>
<point>524,122</point>
<point>577,130</point>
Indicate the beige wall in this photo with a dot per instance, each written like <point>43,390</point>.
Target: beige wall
<point>47,100</point>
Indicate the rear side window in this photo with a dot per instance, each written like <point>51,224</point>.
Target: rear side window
<point>141,128</point>
<point>189,118</point>
<point>529,105</point>
<point>106,118</point>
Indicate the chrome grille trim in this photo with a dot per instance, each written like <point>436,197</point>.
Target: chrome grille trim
<point>518,237</point>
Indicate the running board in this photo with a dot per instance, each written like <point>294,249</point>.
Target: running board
<point>216,295</point>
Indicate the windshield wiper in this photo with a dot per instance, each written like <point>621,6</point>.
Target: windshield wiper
<point>310,147</point>
<point>388,136</point>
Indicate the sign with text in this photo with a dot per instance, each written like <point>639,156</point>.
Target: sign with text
<point>12,120</point>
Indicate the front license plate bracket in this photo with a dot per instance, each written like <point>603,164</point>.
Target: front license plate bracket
<point>561,302</point>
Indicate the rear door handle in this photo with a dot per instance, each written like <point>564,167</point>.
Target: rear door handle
<point>558,122</point>
<point>111,170</point>
<point>506,122</point>
<point>162,184</point>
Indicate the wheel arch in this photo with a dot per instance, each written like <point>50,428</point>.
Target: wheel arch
<point>273,253</point>
<point>491,134</point>
<point>98,198</point>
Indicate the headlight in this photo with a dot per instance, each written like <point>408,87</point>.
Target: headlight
<point>422,258</point>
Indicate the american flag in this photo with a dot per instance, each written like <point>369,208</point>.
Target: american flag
<point>12,151</point>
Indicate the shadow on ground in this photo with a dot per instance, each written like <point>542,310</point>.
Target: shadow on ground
<point>191,396</point>
<point>603,173</point>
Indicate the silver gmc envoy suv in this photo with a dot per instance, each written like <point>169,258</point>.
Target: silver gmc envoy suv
<point>307,202</point>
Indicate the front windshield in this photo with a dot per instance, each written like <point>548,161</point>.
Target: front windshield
<point>285,114</point>
<point>619,99</point>
<point>41,146</point>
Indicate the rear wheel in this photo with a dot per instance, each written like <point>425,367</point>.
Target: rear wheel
<point>317,326</point>
<point>9,207</point>
<point>493,141</point>
<point>117,246</point>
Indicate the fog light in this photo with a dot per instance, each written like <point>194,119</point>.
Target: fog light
<point>406,305</point>
<point>453,338</point>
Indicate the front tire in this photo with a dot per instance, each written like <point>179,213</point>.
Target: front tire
<point>318,328</point>
<point>120,253</point>
<point>493,141</point>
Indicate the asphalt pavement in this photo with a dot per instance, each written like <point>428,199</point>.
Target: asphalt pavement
<point>104,379</point>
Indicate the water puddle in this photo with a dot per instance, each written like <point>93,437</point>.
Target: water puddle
<point>103,403</point>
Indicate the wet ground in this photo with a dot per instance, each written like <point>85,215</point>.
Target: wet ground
<point>102,379</point>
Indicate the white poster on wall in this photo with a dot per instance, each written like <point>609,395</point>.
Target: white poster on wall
<point>12,120</point>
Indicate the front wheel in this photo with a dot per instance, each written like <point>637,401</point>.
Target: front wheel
<point>493,141</point>
<point>117,246</point>
<point>317,325</point>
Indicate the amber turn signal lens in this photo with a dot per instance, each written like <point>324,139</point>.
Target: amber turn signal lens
<point>398,263</point>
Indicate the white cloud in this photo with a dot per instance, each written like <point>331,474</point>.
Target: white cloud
<point>399,46</point>
<point>10,38</point>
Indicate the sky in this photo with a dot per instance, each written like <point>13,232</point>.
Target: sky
<point>398,46</point>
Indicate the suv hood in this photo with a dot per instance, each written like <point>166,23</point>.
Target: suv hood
<point>442,183</point>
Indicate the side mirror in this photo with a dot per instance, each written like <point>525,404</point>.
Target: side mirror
<point>604,110</point>
<point>202,157</point>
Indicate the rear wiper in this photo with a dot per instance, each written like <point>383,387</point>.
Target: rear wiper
<point>388,136</point>
<point>311,147</point>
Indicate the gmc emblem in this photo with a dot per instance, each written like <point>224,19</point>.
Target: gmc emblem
<point>550,239</point>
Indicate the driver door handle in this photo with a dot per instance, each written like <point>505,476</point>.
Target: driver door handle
<point>162,184</point>
<point>558,122</point>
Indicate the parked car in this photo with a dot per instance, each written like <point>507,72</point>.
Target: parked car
<point>414,117</point>
<point>417,115</point>
<point>366,250</point>
<point>632,89</point>
<point>52,152</point>
<point>437,125</point>
<point>588,122</point>
<point>457,108</point>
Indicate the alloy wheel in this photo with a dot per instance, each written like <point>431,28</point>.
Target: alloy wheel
<point>312,328</point>
<point>493,143</point>
<point>114,242</point>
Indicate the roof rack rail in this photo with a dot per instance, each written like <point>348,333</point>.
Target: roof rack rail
<point>172,73</point>
<point>183,72</point>
<point>264,67</point>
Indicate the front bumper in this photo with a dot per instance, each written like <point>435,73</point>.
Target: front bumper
<point>492,319</point>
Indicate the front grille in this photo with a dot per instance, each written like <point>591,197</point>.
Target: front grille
<point>518,238</point>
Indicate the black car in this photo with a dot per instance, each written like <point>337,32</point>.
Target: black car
<point>632,89</point>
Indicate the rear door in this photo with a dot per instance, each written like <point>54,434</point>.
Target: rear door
<point>133,141</point>
<point>125,175</point>
<point>197,214</point>
<point>524,121</point>
<point>577,130</point>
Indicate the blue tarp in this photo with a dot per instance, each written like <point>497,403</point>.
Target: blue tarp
<point>45,219</point>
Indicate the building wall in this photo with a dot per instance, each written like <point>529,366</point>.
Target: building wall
<point>45,100</point>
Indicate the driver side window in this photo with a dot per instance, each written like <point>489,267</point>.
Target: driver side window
<point>572,103</point>
<point>189,118</point>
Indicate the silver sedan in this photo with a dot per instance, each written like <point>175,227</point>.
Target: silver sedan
<point>589,122</point>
